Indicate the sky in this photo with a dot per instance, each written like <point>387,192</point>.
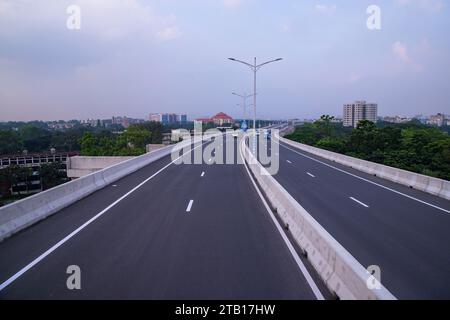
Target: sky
<point>135,57</point>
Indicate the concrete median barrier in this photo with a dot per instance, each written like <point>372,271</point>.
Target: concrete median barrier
<point>341,272</point>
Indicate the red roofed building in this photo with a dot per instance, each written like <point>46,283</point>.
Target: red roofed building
<point>219,119</point>
<point>222,118</point>
<point>204,120</point>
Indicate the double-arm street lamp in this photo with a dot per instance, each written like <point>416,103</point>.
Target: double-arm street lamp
<point>254,67</point>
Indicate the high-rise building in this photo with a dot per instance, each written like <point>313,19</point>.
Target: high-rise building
<point>181,118</point>
<point>358,111</point>
<point>168,118</point>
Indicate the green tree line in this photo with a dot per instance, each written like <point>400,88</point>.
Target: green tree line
<point>411,146</point>
<point>35,137</point>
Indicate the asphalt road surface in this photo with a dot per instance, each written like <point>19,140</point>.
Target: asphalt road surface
<point>405,232</point>
<point>188,232</point>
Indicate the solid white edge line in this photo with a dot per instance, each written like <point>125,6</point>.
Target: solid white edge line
<point>361,203</point>
<point>189,207</point>
<point>84,225</point>
<point>364,179</point>
<point>294,253</point>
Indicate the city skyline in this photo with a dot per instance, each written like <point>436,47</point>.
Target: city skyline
<point>145,56</point>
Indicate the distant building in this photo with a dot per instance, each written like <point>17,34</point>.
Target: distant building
<point>420,117</point>
<point>204,120</point>
<point>219,119</point>
<point>182,118</point>
<point>168,118</point>
<point>358,111</point>
<point>123,121</point>
<point>396,119</point>
<point>92,122</point>
<point>336,120</point>
<point>438,120</point>
<point>59,125</point>
<point>107,122</point>
<point>222,118</point>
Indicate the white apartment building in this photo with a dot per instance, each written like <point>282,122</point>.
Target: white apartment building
<point>358,111</point>
<point>438,120</point>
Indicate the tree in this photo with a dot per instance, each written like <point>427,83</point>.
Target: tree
<point>10,142</point>
<point>68,140</point>
<point>137,137</point>
<point>133,141</point>
<point>305,133</point>
<point>89,145</point>
<point>156,129</point>
<point>14,175</point>
<point>332,144</point>
<point>362,139</point>
<point>35,139</point>
<point>52,174</point>
<point>324,126</point>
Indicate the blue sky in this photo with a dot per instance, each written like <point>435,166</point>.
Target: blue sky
<point>134,57</point>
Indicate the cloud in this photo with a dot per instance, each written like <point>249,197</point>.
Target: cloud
<point>169,33</point>
<point>286,27</point>
<point>232,3</point>
<point>429,5</point>
<point>354,77</point>
<point>326,9</point>
<point>40,37</point>
<point>401,52</point>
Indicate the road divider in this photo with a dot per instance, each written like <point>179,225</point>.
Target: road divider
<point>340,271</point>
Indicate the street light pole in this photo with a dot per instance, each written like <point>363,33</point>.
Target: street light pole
<point>244,100</point>
<point>254,97</point>
<point>254,67</point>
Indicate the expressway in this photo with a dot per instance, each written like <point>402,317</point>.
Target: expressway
<point>403,231</point>
<point>164,232</point>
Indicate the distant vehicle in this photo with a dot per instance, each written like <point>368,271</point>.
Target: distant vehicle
<point>267,134</point>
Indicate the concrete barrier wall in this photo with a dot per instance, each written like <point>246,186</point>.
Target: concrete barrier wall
<point>434,186</point>
<point>86,162</point>
<point>23,213</point>
<point>80,166</point>
<point>341,272</point>
<point>153,147</point>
